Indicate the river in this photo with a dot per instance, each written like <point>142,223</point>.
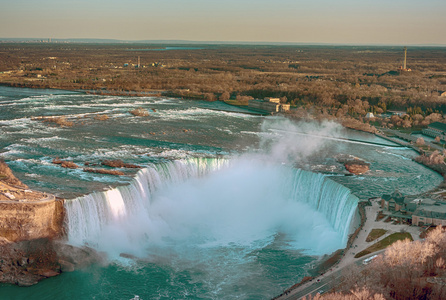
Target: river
<point>218,210</point>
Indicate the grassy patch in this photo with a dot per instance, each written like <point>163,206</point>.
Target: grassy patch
<point>375,234</point>
<point>384,243</point>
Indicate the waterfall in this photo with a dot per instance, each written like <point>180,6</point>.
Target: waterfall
<point>334,200</point>
<point>87,216</point>
<point>209,200</point>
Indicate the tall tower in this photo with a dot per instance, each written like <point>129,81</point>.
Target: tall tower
<point>139,62</point>
<point>405,56</point>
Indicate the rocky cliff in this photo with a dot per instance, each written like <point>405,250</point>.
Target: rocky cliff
<point>25,263</point>
<point>31,223</point>
<point>26,214</point>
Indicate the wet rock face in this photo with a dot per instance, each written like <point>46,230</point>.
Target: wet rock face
<point>353,164</point>
<point>357,168</point>
<point>27,214</point>
<point>8,177</point>
<point>28,262</point>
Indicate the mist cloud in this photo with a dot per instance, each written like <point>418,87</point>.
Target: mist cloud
<point>287,141</point>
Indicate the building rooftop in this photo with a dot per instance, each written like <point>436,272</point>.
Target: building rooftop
<point>396,196</point>
<point>432,211</point>
<point>422,201</point>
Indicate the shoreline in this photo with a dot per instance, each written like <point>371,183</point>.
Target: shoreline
<point>343,261</point>
<point>328,280</point>
<point>354,236</point>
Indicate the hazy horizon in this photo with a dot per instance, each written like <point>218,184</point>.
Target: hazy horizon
<point>379,22</point>
<point>210,43</point>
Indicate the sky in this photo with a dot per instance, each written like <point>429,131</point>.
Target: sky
<point>393,22</point>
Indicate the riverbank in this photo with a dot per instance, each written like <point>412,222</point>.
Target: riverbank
<point>32,234</point>
<point>329,279</point>
<point>128,142</point>
<point>358,242</point>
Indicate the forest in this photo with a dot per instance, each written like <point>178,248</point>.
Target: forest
<point>341,82</point>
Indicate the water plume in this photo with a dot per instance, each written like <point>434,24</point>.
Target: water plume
<point>241,202</point>
<point>219,219</point>
<point>281,143</point>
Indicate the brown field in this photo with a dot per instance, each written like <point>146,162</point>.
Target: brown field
<point>343,82</point>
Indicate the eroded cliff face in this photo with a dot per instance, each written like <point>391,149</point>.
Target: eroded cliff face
<point>29,222</point>
<point>25,263</point>
<point>8,178</point>
<point>26,214</point>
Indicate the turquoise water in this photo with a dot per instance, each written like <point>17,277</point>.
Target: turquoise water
<point>245,229</point>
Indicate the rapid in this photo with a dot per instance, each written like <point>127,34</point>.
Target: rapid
<point>225,206</point>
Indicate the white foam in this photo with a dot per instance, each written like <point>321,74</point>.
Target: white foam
<point>163,208</point>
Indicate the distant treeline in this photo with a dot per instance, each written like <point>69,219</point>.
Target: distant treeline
<point>339,81</point>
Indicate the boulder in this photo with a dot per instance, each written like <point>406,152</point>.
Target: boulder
<point>357,167</point>
<point>103,171</point>
<point>48,273</point>
<point>65,163</point>
<point>117,163</point>
<point>353,164</point>
<point>27,280</point>
<point>66,266</point>
<point>74,258</point>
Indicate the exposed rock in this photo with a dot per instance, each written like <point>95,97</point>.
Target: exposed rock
<point>103,171</point>
<point>357,167</point>
<point>66,266</point>
<point>71,257</point>
<point>48,273</point>
<point>27,281</point>
<point>117,163</point>
<point>65,163</point>
<point>27,214</point>
<point>101,117</point>
<point>61,121</point>
<point>353,164</point>
<point>140,112</point>
<point>69,165</point>
<point>8,177</point>
<point>26,263</point>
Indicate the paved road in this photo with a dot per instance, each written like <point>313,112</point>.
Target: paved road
<point>322,286</point>
<point>326,283</point>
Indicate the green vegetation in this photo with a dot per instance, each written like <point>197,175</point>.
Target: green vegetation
<point>375,234</point>
<point>384,243</point>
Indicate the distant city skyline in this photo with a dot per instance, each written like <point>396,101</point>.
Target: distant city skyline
<point>396,22</point>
